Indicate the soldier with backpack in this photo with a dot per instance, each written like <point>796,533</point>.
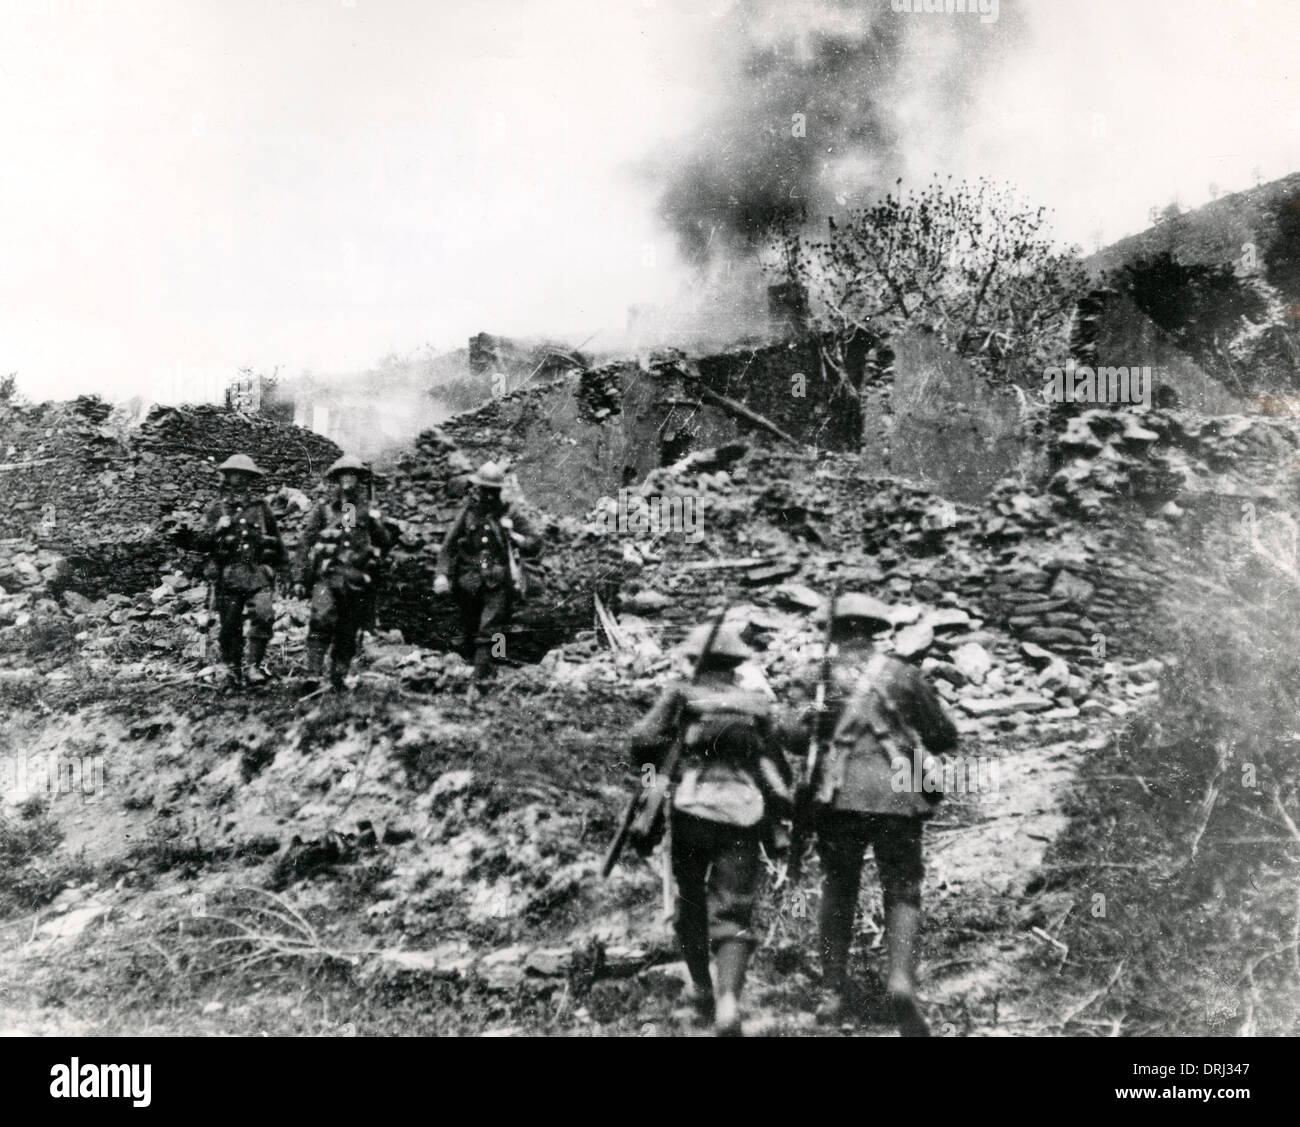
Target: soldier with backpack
<point>243,541</point>
<point>878,709</point>
<point>343,544</point>
<point>732,782</point>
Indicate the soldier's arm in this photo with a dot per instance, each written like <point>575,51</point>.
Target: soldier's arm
<point>795,723</point>
<point>311,529</point>
<point>449,542</point>
<point>381,536</point>
<point>206,540</point>
<point>928,716</point>
<point>278,555</point>
<point>525,535</point>
<point>792,728</point>
<point>775,777</point>
<point>653,734</point>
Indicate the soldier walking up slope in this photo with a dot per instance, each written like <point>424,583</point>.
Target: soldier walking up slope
<point>733,783</point>
<point>876,708</point>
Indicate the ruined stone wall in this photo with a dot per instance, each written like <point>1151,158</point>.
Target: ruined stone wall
<point>940,423</point>
<point>581,437</point>
<point>791,384</point>
<point>101,496</point>
<point>563,459</point>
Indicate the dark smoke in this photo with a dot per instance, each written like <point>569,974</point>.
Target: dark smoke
<point>856,70</point>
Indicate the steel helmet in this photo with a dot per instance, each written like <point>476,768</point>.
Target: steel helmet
<point>349,463</point>
<point>243,463</point>
<point>489,475</point>
<point>852,607</point>
<point>727,644</point>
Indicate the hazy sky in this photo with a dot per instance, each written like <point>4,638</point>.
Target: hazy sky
<point>189,187</point>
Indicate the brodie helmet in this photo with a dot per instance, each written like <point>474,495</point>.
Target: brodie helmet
<point>242,463</point>
<point>856,610</point>
<point>489,476</point>
<point>349,463</point>
<point>727,644</point>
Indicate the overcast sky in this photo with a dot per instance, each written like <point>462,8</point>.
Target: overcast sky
<point>189,186</point>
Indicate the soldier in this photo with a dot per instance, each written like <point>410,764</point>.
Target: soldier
<point>479,562</point>
<point>343,544</point>
<point>874,705</point>
<point>241,535</point>
<point>733,783</point>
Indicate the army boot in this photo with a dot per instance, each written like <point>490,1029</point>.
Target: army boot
<point>836,930</point>
<point>902,930</point>
<point>833,1008</point>
<point>256,673</point>
<point>338,676</point>
<point>483,668</point>
<point>699,995</point>
<point>699,998</point>
<point>733,958</point>
<point>234,678</point>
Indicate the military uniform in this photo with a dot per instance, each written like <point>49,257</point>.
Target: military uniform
<point>475,561</point>
<point>339,557</point>
<point>882,717</point>
<point>246,550</point>
<point>732,783</point>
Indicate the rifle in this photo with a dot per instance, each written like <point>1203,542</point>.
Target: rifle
<point>646,808</point>
<point>805,789</point>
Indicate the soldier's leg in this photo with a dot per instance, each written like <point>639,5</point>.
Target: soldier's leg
<point>230,613</point>
<point>469,605</point>
<point>840,845</point>
<point>897,842</point>
<point>320,630</point>
<point>369,615</point>
<point>690,864</point>
<point>261,624</point>
<point>351,613</point>
<point>733,893</point>
<point>492,625</point>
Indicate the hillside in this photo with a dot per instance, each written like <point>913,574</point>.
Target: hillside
<point>1209,298</point>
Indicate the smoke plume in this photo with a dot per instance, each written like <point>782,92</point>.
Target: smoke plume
<point>823,104</point>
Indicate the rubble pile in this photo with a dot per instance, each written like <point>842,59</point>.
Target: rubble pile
<point>774,520</point>
<point>125,636</point>
<point>599,393</point>
<point>1155,456</point>
<point>780,530</point>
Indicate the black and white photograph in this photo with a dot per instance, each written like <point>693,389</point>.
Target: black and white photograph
<point>658,519</point>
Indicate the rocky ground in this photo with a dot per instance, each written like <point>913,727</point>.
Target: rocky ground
<point>398,840</point>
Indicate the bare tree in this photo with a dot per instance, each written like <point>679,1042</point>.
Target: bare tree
<point>969,262</point>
